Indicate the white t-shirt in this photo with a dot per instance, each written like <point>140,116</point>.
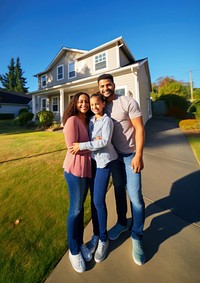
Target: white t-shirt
<point>122,109</point>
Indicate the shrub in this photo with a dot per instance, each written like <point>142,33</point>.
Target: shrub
<point>45,118</point>
<point>189,124</point>
<point>176,105</point>
<point>24,118</point>
<point>195,109</point>
<point>23,110</point>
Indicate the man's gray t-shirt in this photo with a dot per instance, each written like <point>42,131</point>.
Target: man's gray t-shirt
<point>122,109</point>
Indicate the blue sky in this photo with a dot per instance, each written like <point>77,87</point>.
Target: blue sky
<point>166,32</point>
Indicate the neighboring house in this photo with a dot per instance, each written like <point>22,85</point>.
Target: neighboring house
<point>11,102</point>
<point>74,70</point>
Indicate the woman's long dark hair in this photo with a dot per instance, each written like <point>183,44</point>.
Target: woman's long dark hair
<point>71,109</point>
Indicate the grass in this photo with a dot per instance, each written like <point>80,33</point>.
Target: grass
<point>191,128</point>
<point>33,190</point>
<point>195,144</point>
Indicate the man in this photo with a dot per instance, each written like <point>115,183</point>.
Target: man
<point>128,139</point>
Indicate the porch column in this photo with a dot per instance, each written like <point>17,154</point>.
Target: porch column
<point>61,103</point>
<point>33,107</point>
<point>47,103</point>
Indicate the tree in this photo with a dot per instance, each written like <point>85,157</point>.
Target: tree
<point>14,80</point>
<point>196,93</point>
<point>20,80</point>
<point>8,80</point>
<point>173,88</point>
<point>168,85</point>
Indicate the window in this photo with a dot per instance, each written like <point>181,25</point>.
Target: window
<point>71,70</point>
<point>60,72</point>
<point>55,104</point>
<point>44,81</point>
<point>121,90</point>
<point>100,61</point>
<point>43,104</point>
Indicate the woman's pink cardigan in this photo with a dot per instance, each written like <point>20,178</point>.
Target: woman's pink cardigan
<point>79,164</point>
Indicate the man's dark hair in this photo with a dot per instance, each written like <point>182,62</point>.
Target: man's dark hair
<point>106,77</point>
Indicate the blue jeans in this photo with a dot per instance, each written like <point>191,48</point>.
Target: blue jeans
<point>98,192</point>
<point>77,188</point>
<point>134,189</point>
<point>119,182</point>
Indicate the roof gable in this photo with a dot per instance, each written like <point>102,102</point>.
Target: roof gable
<point>62,51</point>
<point>83,53</point>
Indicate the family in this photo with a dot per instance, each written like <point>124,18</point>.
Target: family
<point>104,134</point>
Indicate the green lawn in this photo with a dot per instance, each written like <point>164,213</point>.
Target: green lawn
<point>195,144</point>
<point>33,190</point>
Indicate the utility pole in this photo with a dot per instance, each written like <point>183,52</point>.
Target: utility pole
<point>191,86</point>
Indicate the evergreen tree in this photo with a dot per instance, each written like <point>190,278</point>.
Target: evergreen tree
<point>8,80</point>
<point>14,80</point>
<point>19,79</point>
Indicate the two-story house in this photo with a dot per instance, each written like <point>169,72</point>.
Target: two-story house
<point>74,70</point>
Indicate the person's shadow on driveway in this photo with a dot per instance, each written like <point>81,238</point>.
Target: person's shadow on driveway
<point>183,202</point>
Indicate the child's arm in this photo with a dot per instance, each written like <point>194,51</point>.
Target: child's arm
<point>98,143</point>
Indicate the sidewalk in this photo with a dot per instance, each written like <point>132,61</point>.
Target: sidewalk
<point>171,189</point>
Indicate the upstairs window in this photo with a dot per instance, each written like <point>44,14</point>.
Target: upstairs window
<point>71,70</point>
<point>60,72</point>
<point>55,104</point>
<point>43,104</point>
<point>44,81</point>
<point>100,61</point>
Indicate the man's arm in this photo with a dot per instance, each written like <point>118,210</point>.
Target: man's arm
<point>137,161</point>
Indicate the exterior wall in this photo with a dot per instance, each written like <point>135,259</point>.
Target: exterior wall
<point>52,74</point>
<point>126,80</point>
<point>11,109</point>
<point>123,59</point>
<point>144,91</point>
<point>86,67</point>
<point>137,86</point>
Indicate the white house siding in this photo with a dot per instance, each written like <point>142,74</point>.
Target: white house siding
<point>85,67</point>
<point>11,109</point>
<point>52,74</point>
<point>144,91</point>
<point>127,80</point>
<point>139,91</point>
<point>123,59</point>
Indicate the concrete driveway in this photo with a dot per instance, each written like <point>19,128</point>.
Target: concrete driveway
<point>171,189</point>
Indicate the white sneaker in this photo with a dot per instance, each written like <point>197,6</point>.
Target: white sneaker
<point>92,244</point>
<point>86,253</point>
<point>101,251</point>
<point>77,262</point>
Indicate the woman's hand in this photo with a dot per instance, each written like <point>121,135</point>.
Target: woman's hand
<point>74,148</point>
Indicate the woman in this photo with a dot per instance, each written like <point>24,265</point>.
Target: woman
<point>105,156</point>
<point>77,171</point>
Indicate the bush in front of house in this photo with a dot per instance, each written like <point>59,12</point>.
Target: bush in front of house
<point>45,118</point>
<point>23,110</point>
<point>24,118</point>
